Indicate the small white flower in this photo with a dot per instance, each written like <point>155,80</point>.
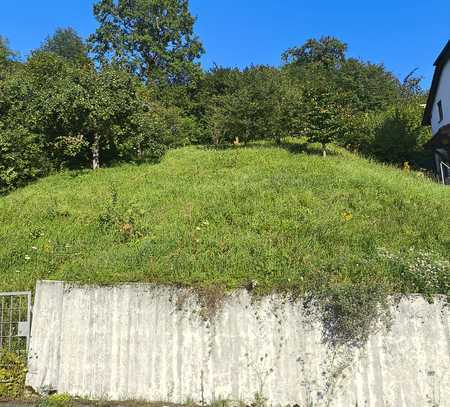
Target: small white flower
<point>34,248</point>
<point>27,258</point>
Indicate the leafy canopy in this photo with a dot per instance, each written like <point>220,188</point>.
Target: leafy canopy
<point>154,39</point>
<point>328,51</point>
<point>7,56</point>
<point>66,43</point>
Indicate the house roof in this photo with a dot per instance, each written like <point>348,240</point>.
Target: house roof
<point>440,62</point>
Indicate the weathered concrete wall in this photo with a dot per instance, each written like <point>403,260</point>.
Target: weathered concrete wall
<point>151,343</point>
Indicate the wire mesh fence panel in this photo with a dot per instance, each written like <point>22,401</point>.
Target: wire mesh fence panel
<point>15,321</point>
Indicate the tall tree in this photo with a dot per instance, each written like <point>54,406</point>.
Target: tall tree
<point>154,39</point>
<point>83,112</point>
<point>7,56</point>
<point>66,43</point>
<point>5,52</point>
<point>370,86</point>
<point>327,51</point>
<point>243,105</point>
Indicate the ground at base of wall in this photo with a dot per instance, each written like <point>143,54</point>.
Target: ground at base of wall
<point>66,401</point>
<point>84,403</point>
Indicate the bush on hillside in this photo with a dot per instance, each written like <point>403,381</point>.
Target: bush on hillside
<point>394,136</point>
<point>400,137</point>
<point>22,158</point>
<point>58,115</point>
<point>13,369</point>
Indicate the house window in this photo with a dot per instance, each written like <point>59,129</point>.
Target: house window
<point>441,112</point>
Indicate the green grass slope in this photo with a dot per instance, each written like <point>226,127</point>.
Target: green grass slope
<point>259,216</point>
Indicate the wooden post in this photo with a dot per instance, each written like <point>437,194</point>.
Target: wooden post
<point>96,152</point>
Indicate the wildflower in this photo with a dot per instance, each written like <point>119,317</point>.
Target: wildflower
<point>347,216</point>
<point>27,258</point>
<point>34,248</point>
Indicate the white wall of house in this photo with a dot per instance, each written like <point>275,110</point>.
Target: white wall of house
<point>442,94</point>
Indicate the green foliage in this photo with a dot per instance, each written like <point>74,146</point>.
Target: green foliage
<point>152,38</point>
<point>66,43</point>
<point>366,86</point>
<point>22,158</point>
<point>7,56</point>
<point>324,118</point>
<point>395,135</point>
<point>68,113</point>
<point>356,104</point>
<point>327,51</point>
<point>58,114</point>
<point>319,95</point>
<point>5,52</point>
<point>313,107</point>
<point>425,271</point>
<point>401,136</point>
<point>57,400</point>
<point>369,87</point>
<point>124,221</point>
<point>288,222</point>
<point>13,370</point>
<point>243,105</point>
<point>78,109</point>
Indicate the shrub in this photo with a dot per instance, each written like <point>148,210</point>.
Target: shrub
<point>22,158</point>
<point>123,220</point>
<point>12,375</point>
<point>395,135</point>
<point>57,400</point>
<point>401,136</point>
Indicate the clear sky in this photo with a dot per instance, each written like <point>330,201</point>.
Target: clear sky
<point>401,34</point>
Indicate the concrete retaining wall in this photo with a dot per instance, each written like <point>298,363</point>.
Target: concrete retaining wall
<point>152,343</point>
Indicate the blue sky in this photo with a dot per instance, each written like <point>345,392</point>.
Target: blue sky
<point>402,34</point>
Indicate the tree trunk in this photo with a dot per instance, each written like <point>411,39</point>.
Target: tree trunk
<point>96,153</point>
<point>324,151</point>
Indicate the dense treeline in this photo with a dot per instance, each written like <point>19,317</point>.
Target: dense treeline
<point>321,95</point>
<point>135,88</point>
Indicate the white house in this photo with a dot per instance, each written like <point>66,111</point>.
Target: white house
<point>437,114</point>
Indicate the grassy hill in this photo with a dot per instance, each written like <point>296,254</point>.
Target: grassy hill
<point>260,216</point>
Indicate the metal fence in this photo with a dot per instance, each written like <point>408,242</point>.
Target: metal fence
<point>15,321</point>
<point>445,173</point>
